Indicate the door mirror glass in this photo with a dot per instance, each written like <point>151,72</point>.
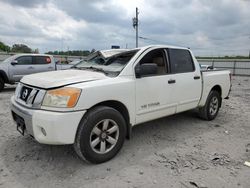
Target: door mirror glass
<point>145,70</point>
<point>14,62</point>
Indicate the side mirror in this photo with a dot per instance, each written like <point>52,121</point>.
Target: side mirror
<point>145,70</point>
<point>14,62</point>
<point>210,67</point>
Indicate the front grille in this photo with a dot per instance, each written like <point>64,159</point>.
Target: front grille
<point>29,96</point>
<point>27,93</point>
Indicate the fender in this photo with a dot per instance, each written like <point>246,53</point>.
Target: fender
<point>4,76</point>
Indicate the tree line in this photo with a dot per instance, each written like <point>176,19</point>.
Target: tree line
<point>71,52</point>
<point>17,48</point>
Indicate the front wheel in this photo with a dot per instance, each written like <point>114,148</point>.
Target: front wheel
<point>212,106</point>
<point>100,135</point>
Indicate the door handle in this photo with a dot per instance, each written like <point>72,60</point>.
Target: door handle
<point>30,67</point>
<point>171,81</point>
<point>197,77</point>
<point>50,67</point>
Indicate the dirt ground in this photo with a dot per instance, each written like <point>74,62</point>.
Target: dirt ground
<point>177,151</point>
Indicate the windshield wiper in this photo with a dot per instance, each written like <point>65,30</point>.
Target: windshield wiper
<point>92,68</point>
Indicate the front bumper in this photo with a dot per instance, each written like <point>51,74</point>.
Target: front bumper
<point>60,127</point>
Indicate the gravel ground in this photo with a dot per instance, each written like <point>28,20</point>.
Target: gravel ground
<point>176,151</point>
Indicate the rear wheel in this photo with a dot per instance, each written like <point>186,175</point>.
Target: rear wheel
<point>100,135</point>
<point>212,106</point>
<point>1,84</point>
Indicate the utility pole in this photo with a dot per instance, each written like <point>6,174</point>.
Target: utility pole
<point>135,25</point>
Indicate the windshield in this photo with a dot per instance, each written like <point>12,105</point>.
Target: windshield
<point>110,66</point>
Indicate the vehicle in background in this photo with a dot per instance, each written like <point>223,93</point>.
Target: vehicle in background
<point>71,64</point>
<point>75,61</point>
<point>95,105</point>
<point>64,64</point>
<point>15,67</point>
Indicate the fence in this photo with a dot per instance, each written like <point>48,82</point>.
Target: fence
<point>239,67</point>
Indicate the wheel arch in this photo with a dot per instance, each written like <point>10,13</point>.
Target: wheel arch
<point>4,76</point>
<point>219,90</point>
<point>120,107</point>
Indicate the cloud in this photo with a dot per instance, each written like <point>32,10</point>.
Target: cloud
<point>206,26</point>
<point>38,26</point>
<point>95,11</point>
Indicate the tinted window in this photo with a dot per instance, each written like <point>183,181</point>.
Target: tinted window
<point>156,57</point>
<point>180,61</point>
<point>24,60</point>
<point>41,60</point>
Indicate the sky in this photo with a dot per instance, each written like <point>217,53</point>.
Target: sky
<point>208,27</point>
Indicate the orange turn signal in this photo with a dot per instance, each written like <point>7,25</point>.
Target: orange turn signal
<point>72,95</point>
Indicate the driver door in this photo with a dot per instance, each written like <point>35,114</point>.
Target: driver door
<point>22,67</point>
<point>153,92</point>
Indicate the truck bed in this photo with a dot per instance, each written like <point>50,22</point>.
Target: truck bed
<point>215,78</point>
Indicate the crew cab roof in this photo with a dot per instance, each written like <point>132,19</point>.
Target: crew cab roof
<point>162,46</point>
<point>111,52</point>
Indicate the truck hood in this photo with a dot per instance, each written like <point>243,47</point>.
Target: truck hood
<point>54,79</point>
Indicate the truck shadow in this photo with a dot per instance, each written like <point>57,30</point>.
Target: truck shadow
<point>9,89</point>
<point>27,160</point>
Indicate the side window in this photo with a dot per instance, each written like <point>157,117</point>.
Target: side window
<point>180,61</point>
<point>24,60</point>
<point>157,57</point>
<point>41,60</point>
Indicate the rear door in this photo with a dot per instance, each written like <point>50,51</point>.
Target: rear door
<point>22,67</point>
<point>188,85</point>
<point>43,64</point>
<point>154,92</point>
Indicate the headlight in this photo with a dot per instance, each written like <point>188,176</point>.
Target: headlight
<point>63,98</point>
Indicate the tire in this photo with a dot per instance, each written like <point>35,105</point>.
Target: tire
<point>1,84</point>
<point>212,106</point>
<point>100,135</point>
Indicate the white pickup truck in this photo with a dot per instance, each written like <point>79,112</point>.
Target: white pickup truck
<point>95,105</point>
